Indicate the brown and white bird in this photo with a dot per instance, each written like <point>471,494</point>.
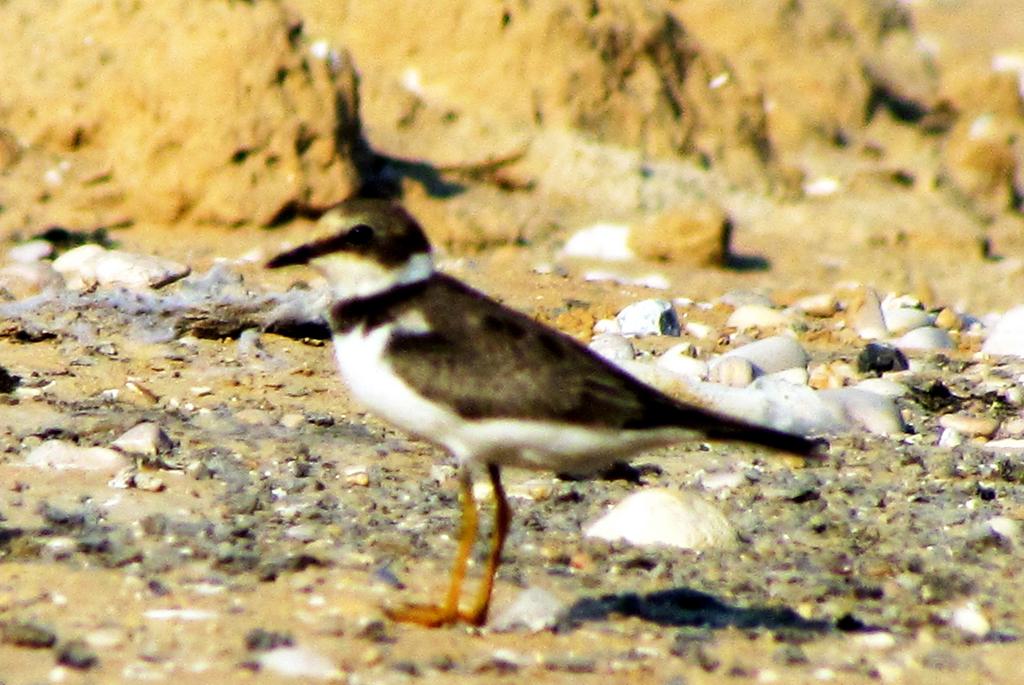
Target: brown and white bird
<point>492,386</point>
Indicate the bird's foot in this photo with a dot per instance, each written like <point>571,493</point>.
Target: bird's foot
<point>434,616</point>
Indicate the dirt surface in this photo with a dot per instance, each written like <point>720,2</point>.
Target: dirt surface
<point>833,144</point>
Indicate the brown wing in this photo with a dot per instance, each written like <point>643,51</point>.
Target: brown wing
<point>491,362</point>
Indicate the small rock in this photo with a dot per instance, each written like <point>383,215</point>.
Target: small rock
<point>680,359</point>
<point>648,317</point>
<point>735,372</point>
<point>299,662</point>
<point>925,338</point>
<point>146,438</point>
<point>609,242</point>
<point>357,475</point>
<point>823,305</point>
<point>948,320</point>
<point>876,413</point>
<point>27,634</point>
<point>61,454</point>
<point>758,316</point>
<point>30,251</point>
<point>866,315</point>
<point>1005,445</point>
<point>950,438</point>
<point>613,347</point>
<point>91,265</point>
<point>260,640</point>
<point>901,315</point>
<point>1007,336</point>
<point>879,358</point>
<point>25,280</point>
<point>293,420</point>
<point>969,619</point>
<point>883,386</point>
<point>148,482</point>
<point>534,609</point>
<point>664,517</point>
<point>970,425</point>
<point>1005,527</point>
<point>777,353</point>
<point>77,654</point>
<point>797,376</point>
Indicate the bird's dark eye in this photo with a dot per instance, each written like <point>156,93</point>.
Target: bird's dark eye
<point>359,235</point>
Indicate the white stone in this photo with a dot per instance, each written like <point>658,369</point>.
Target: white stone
<point>925,338</point>
<point>680,359</point>
<point>969,619</point>
<point>699,330</point>
<point>899,319</point>
<point>1005,527</point>
<point>664,517</point>
<point>950,438</point>
<point>61,454</point>
<point>777,353</point>
<point>648,317</point>
<point>735,372</point>
<point>1005,445</point>
<point>31,251</point>
<point>91,265</point>
<point>970,425</point>
<point>796,376</point>
<point>1007,336</point>
<point>883,386</point>
<point>533,609</point>
<point>876,413</point>
<point>823,304</point>
<point>761,316</point>
<point>299,662</point>
<point>145,438</point>
<point>867,319</point>
<point>609,242</point>
<point>613,347</point>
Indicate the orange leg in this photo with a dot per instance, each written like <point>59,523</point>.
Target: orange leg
<point>477,614</point>
<point>448,612</point>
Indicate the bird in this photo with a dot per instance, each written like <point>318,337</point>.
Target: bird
<point>495,388</point>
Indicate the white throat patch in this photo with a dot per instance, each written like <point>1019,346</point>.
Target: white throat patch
<point>351,276</point>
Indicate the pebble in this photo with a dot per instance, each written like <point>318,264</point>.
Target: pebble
<point>881,358</point>
<point>760,316</point>
<point>1007,336</point>
<point>822,305</point>
<point>876,413</point>
<point>925,338</point>
<point>27,634</point>
<point>299,662</point>
<point>866,315</point>
<point>949,320</point>
<point>883,386</point>
<point>613,347</point>
<point>901,315</point>
<point>1006,445</point>
<point>91,265</point>
<point>735,372</point>
<point>797,376</point>
<point>660,516</point>
<point>969,619</point>
<point>534,609</point>
<point>293,420</point>
<point>62,454</point>
<point>23,280</point>
<point>77,654</point>
<point>30,251</point>
<point>609,242</point>
<point>680,359</point>
<point>648,317</point>
<point>777,353</point>
<point>1005,527</point>
<point>970,425</point>
<point>146,438</point>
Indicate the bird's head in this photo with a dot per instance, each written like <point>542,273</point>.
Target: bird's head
<point>368,247</point>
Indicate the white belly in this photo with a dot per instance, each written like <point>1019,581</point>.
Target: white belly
<point>528,444</point>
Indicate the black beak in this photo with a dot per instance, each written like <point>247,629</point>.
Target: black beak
<point>300,255</point>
